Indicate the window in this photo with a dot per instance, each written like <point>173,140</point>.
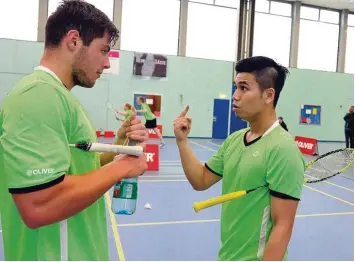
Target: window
<point>318,45</point>
<point>211,32</point>
<point>227,3</point>
<point>105,6</point>
<point>309,13</point>
<point>203,1</point>
<point>272,36</point>
<point>150,26</point>
<point>329,16</point>
<point>19,19</point>
<point>262,6</point>
<point>350,20</point>
<point>278,8</point>
<point>349,57</point>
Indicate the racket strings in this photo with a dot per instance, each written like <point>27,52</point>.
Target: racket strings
<point>329,166</point>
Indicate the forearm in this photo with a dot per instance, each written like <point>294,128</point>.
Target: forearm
<point>74,194</point>
<point>107,157</point>
<point>192,166</point>
<point>278,242</point>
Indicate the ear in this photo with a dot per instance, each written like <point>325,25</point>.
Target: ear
<point>73,40</point>
<point>269,95</point>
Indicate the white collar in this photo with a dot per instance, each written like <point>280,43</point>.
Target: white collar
<point>274,125</point>
<point>43,68</point>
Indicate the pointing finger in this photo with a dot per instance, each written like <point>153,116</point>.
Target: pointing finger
<point>183,113</point>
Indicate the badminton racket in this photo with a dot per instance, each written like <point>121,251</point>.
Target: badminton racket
<point>100,147</point>
<point>322,168</point>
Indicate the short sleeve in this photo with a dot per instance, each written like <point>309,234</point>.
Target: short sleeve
<point>286,168</point>
<point>34,141</point>
<point>216,163</point>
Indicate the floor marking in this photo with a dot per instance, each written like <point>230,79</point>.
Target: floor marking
<point>114,225</point>
<point>311,188</point>
<point>208,148</point>
<point>213,143</point>
<point>217,220</point>
<point>329,195</point>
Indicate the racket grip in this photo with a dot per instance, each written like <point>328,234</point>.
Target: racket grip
<point>129,150</point>
<point>198,206</point>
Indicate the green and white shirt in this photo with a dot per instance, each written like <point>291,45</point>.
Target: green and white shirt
<point>39,119</point>
<point>147,115</point>
<point>272,160</point>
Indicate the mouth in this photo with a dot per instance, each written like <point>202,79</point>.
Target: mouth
<point>235,107</point>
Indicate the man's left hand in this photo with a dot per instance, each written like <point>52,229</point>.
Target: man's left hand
<point>134,130</point>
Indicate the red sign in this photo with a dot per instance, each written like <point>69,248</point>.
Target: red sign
<point>307,145</point>
<point>152,134</point>
<point>152,156</point>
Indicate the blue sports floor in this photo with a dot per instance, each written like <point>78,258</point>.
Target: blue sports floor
<point>171,230</point>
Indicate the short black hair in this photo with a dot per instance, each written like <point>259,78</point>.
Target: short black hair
<point>268,73</point>
<point>90,22</point>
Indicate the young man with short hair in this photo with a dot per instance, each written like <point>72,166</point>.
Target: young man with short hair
<point>52,205</point>
<point>150,118</point>
<point>259,225</point>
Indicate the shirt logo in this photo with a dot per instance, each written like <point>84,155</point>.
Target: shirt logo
<point>256,153</point>
<point>40,171</point>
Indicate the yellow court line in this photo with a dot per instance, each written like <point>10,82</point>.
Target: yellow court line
<point>116,235</point>
<point>329,195</point>
<point>217,220</point>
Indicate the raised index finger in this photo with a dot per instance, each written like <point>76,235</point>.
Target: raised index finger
<point>183,113</point>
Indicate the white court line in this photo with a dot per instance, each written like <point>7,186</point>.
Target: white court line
<point>213,143</point>
<point>217,220</point>
<point>208,148</point>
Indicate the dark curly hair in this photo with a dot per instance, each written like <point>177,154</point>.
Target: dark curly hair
<point>267,72</point>
<point>90,22</point>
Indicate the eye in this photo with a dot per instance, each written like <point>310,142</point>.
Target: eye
<point>104,51</point>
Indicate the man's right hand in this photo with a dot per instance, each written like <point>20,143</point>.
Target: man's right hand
<point>136,165</point>
<point>182,125</point>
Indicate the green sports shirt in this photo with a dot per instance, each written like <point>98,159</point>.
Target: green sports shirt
<point>147,115</point>
<point>129,113</point>
<point>38,121</point>
<point>272,160</point>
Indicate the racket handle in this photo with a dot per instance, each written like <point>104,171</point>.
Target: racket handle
<point>218,200</point>
<point>99,147</point>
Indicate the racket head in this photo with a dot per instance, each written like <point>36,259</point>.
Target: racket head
<point>329,165</point>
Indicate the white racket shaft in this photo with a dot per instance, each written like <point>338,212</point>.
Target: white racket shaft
<point>128,150</point>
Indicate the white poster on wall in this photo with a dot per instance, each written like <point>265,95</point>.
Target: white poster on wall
<point>114,57</point>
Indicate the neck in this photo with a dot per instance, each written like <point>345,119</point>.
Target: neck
<point>59,65</point>
<point>262,123</point>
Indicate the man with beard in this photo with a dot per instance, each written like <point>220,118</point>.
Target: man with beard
<point>52,205</point>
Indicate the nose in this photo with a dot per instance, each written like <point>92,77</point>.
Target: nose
<point>107,64</point>
<point>236,95</point>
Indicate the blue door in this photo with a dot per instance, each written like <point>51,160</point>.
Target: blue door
<point>235,122</point>
<point>220,119</point>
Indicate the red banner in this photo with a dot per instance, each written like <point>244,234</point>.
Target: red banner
<point>152,156</point>
<point>307,145</point>
<point>152,134</point>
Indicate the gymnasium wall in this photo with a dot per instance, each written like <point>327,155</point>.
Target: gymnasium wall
<point>195,82</point>
<point>334,92</point>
